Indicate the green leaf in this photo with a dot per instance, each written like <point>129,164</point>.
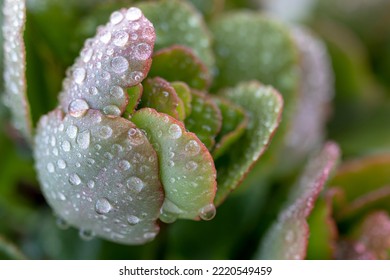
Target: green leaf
<point>118,57</point>
<point>178,23</point>
<point>264,108</point>
<point>187,169</point>
<point>234,124</point>
<point>288,237</point>
<point>364,185</point>
<point>100,174</point>
<point>209,8</point>
<point>205,119</point>
<point>15,66</point>
<point>250,46</point>
<point>9,251</point>
<point>160,95</point>
<point>184,93</point>
<point>179,63</point>
<point>135,94</point>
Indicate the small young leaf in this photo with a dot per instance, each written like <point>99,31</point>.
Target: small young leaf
<point>184,93</point>
<point>178,23</point>
<point>288,237</point>
<point>100,174</point>
<point>234,122</point>
<point>118,57</point>
<point>15,66</point>
<point>179,63</point>
<point>186,167</point>
<point>160,95</point>
<point>205,119</point>
<point>135,94</point>
<point>264,108</point>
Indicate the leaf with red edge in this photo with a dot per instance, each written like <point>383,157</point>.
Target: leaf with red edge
<point>160,95</point>
<point>15,66</point>
<point>205,119</point>
<point>118,57</point>
<point>288,237</point>
<point>187,169</point>
<point>369,240</point>
<point>179,63</point>
<point>364,184</point>
<point>264,106</point>
<point>234,122</point>
<point>100,174</point>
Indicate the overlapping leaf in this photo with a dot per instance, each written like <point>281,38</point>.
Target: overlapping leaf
<point>186,167</point>
<point>118,57</point>
<point>15,66</point>
<point>264,108</point>
<point>100,174</point>
<point>288,237</point>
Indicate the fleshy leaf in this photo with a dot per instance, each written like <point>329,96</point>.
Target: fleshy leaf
<point>234,123</point>
<point>305,133</point>
<point>179,63</point>
<point>100,174</point>
<point>264,108</point>
<point>9,251</point>
<point>209,8</point>
<point>187,169</point>
<point>364,185</point>
<point>15,66</point>
<point>288,237</point>
<point>370,240</point>
<point>205,119</point>
<point>178,23</point>
<point>160,95</point>
<point>118,57</point>
<point>269,56</point>
<point>184,93</point>
<point>135,94</point>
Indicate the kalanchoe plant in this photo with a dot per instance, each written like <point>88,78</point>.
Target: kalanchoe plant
<point>132,139</point>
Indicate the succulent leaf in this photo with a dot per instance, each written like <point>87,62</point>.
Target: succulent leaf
<point>100,174</point>
<point>184,93</point>
<point>234,123</point>
<point>186,167</point>
<point>179,63</point>
<point>178,23</point>
<point>135,94</point>
<point>205,119</point>
<point>287,238</point>
<point>15,66</point>
<point>118,57</point>
<point>264,108</point>
<point>160,95</point>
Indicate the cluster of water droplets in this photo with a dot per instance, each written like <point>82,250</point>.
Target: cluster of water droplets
<point>118,57</point>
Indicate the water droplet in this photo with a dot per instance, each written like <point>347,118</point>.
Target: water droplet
<point>116,17</point>
<point>62,224</point>
<point>208,212</point>
<point>78,107</point>
<point>119,64</point>
<point>105,37</point>
<point>191,165</point>
<point>135,184</point>
<point>171,163</point>
<point>124,165</point>
<point>103,206</point>
<point>289,236</point>
<point>192,148</point>
<point>86,234</point>
<point>61,164</point>
<point>74,179</point>
<point>71,131</point>
<point>84,139</point>
<point>172,180</point>
<point>117,92</point>
<point>79,75</point>
<point>142,51</point>
<point>86,54</point>
<point>112,110</point>
<point>61,196</point>
<point>149,235</point>
<point>136,76</point>
<point>66,146</point>
<point>133,14</point>
<point>175,131</point>
<point>91,184</point>
<point>136,137</point>
<point>50,167</point>
<point>133,220</point>
<point>121,38</point>
<point>93,90</point>
<point>105,75</point>
<point>105,132</point>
